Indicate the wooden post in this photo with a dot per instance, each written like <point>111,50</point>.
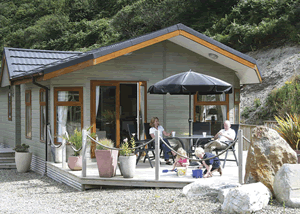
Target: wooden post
<point>157,162</point>
<point>84,136</point>
<point>240,158</point>
<point>64,148</point>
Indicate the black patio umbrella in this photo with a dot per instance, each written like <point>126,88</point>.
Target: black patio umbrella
<point>188,83</point>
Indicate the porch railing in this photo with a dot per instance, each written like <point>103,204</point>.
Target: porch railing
<point>157,149</point>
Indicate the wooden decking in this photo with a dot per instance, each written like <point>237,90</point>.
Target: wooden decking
<point>144,176</point>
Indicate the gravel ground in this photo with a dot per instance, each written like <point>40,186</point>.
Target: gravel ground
<point>32,193</point>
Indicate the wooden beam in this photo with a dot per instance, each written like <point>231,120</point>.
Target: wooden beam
<point>217,49</point>
<point>68,69</point>
<point>26,80</point>
<point>135,47</point>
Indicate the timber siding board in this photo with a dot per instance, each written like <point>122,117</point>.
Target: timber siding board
<point>36,147</point>
<point>147,65</point>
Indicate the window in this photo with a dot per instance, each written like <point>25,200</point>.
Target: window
<point>68,111</point>
<point>211,108</point>
<point>9,98</point>
<point>42,115</point>
<point>236,106</point>
<point>28,116</point>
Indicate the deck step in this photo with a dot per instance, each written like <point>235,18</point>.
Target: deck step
<point>7,165</point>
<point>7,154</point>
<point>7,159</point>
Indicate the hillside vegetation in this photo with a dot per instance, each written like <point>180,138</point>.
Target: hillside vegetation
<point>87,24</point>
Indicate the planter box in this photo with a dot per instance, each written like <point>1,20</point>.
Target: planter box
<point>127,165</point>
<point>107,162</point>
<point>75,163</point>
<point>23,161</point>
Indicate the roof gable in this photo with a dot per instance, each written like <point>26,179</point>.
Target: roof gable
<point>245,67</point>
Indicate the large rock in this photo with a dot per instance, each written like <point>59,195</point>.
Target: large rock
<point>287,185</point>
<point>246,199</point>
<point>267,153</point>
<point>207,186</point>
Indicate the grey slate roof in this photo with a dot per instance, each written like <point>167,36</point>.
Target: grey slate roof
<point>23,62</point>
<point>48,61</point>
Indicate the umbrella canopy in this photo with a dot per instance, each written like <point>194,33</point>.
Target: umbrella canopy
<point>190,83</point>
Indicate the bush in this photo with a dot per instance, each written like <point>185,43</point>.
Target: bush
<point>284,100</point>
<point>289,129</point>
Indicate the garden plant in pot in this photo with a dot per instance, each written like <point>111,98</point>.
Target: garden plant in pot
<point>22,157</point>
<point>289,129</point>
<point>107,159</point>
<point>75,140</point>
<point>127,158</point>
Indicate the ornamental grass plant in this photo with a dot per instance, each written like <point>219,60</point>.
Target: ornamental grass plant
<point>105,142</point>
<point>289,129</point>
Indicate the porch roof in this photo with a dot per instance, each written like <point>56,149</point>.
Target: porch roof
<point>23,63</point>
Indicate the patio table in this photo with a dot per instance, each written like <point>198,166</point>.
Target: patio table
<point>200,138</point>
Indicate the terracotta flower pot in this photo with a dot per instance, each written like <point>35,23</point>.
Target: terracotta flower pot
<point>75,163</point>
<point>107,162</point>
<point>23,161</point>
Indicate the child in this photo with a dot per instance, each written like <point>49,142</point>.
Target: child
<point>210,165</point>
<point>180,161</point>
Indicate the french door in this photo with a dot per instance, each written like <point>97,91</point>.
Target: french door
<point>114,104</point>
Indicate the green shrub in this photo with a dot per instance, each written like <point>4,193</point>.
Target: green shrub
<point>21,148</point>
<point>257,102</point>
<point>284,100</point>
<point>289,129</point>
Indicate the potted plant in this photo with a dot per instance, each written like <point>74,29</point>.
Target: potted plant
<point>289,130</point>
<point>75,140</point>
<point>127,158</point>
<point>22,157</point>
<point>107,159</point>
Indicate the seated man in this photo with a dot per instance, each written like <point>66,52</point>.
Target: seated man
<point>219,142</point>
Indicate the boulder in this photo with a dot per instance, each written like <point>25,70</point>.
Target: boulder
<point>287,185</point>
<point>267,153</point>
<point>246,199</point>
<point>207,187</point>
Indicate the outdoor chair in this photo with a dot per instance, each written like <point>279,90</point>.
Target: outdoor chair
<point>235,127</point>
<point>141,150</point>
<point>198,129</point>
<point>148,136</point>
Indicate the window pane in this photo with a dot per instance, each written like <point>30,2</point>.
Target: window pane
<point>211,98</point>
<point>216,114</point>
<point>106,112</point>
<point>28,121</point>
<point>64,96</point>
<point>69,117</point>
<point>9,106</point>
<point>42,96</point>
<point>236,114</point>
<point>43,122</point>
<point>237,96</point>
<point>27,97</point>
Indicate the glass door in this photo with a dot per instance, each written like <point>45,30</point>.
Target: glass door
<point>104,110</point>
<point>141,110</point>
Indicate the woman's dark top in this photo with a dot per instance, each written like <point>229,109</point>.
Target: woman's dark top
<point>215,162</point>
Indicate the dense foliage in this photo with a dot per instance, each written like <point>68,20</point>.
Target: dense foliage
<point>284,100</point>
<point>87,24</point>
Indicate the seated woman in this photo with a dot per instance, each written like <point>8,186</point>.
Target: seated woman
<point>211,165</point>
<point>154,124</point>
<point>180,161</point>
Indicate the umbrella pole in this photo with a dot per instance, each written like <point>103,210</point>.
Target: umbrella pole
<point>190,112</point>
